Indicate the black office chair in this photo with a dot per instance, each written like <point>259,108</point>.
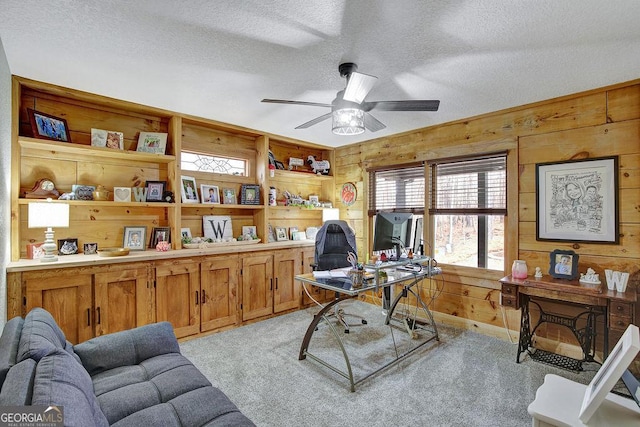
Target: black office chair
<point>334,240</point>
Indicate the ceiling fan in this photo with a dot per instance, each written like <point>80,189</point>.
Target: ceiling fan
<point>350,112</point>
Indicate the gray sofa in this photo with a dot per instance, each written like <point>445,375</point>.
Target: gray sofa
<point>131,378</point>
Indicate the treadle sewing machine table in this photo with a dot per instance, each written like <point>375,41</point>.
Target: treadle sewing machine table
<point>343,286</point>
<point>617,309</point>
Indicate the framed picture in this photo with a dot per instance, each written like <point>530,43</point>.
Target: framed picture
<point>210,193</point>
<point>610,372</point>
<point>83,192</point>
<point>299,235</point>
<point>577,201</point>
<point>152,142</point>
<point>563,264</point>
<point>159,234</point>
<point>188,190</point>
<point>279,164</point>
<point>121,194</point>
<point>229,196</point>
<point>155,190</point>
<point>250,194</point>
<point>314,200</point>
<point>35,250</point>
<point>45,126</point>
<point>217,227</point>
<point>90,248</point>
<point>292,231</point>
<point>134,238</point>
<point>271,237</point>
<point>107,138</point>
<point>67,246</point>
<point>281,234</point>
<point>251,230</point>
<point>185,232</point>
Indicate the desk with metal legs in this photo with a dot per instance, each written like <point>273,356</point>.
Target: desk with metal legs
<point>411,324</point>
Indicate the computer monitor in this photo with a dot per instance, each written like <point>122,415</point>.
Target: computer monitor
<point>392,231</point>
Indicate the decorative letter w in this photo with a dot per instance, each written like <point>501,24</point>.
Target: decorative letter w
<point>218,228</point>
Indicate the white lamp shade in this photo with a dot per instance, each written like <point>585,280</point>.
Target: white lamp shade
<point>348,121</point>
<point>44,215</point>
<point>330,213</point>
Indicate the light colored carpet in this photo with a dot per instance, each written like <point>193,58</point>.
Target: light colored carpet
<point>465,379</point>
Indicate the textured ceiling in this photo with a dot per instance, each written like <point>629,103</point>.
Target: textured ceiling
<point>217,59</point>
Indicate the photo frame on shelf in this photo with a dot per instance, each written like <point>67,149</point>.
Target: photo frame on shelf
<point>563,264</point>
<point>90,248</point>
<point>189,190</point>
<point>251,230</point>
<point>155,190</point>
<point>107,139</point>
<point>292,231</point>
<point>279,164</point>
<point>250,194</point>
<point>35,250</point>
<point>281,234</point>
<point>152,142</point>
<point>314,200</point>
<point>577,201</point>
<point>121,194</point>
<point>210,194</point>
<point>45,126</point>
<point>134,238</point>
<point>159,234</point>
<point>185,232</point>
<point>68,246</point>
<point>83,192</point>
<point>229,196</point>
<point>217,227</point>
<point>271,237</point>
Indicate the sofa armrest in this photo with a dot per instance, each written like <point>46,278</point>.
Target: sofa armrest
<point>127,347</point>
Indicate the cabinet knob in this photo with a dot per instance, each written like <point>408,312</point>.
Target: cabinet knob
<point>619,308</point>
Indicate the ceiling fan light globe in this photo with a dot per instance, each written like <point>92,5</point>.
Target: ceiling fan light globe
<point>348,121</point>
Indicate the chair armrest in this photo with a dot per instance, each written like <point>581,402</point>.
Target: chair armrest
<point>127,347</point>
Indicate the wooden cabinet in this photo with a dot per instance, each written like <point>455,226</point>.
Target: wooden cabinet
<point>123,299</point>
<point>257,286</point>
<point>67,295</point>
<point>287,263</point>
<point>219,292</point>
<point>177,299</point>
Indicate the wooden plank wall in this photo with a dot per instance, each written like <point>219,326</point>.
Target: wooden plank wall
<point>599,122</point>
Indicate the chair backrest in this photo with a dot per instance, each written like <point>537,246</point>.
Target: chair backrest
<point>334,240</point>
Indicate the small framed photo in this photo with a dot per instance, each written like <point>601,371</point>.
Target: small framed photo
<point>185,232</point>
<point>281,234</point>
<point>563,264</point>
<point>314,200</point>
<point>159,234</point>
<point>292,231</point>
<point>250,230</point>
<point>152,142</point>
<point>45,126</point>
<point>107,138</point>
<point>271,235</point>
<point>279,165</point>
<point>67,246</point>
<point>188,190</point>
<point>121,194</point>
<point>134,238</point>
<point>155,190</point>
<point>83,192</point>
<point>299,235</point>
<point>229,196</point>
<point>35,250</point>
<point>250,194</point>
<point>210,193</point>
<point>90,248</point>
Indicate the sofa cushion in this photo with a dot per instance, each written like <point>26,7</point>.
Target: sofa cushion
<point>18,385</point>
<point>40,335</point>
<point>9,342</point>
<point>61,381</point>
<point>126,348</point>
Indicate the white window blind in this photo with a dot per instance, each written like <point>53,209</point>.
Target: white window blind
<point>469,186</point>
<point>399,190</point>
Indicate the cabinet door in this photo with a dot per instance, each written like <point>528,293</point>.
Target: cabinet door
<point>67,297</point>
<point>286,264</point>
<point>218,292</point>
<point>178,296</point>
<point>123,299</point>
<point>257,286</point>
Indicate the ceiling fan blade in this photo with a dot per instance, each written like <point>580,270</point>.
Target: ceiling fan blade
<point>409,105</point>
<point>284,101</point>
<point>358,87</point>
<point>314,121</point>
<point>372,124</point>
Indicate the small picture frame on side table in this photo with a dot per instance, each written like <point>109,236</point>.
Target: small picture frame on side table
<point>185,233</point>
<point>134,238</point>
<point>45,126</point>
<point>90,248</point>
<point>155,190</point>
<point>281,234</point>
<point>250,194</point>
<point>563,264</point>
<point>160,234</point>
<point>67,246</point>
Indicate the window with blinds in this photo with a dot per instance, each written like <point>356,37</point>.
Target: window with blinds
<point>469,186</point>
<point>397,190</point>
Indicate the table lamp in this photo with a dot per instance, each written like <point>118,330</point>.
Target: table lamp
<point>48,215</point>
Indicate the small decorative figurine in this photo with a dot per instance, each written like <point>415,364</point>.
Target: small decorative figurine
<point>538,273</point>
<point>318,166</point>
<point>163,246</point>
<point>590,277</point>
